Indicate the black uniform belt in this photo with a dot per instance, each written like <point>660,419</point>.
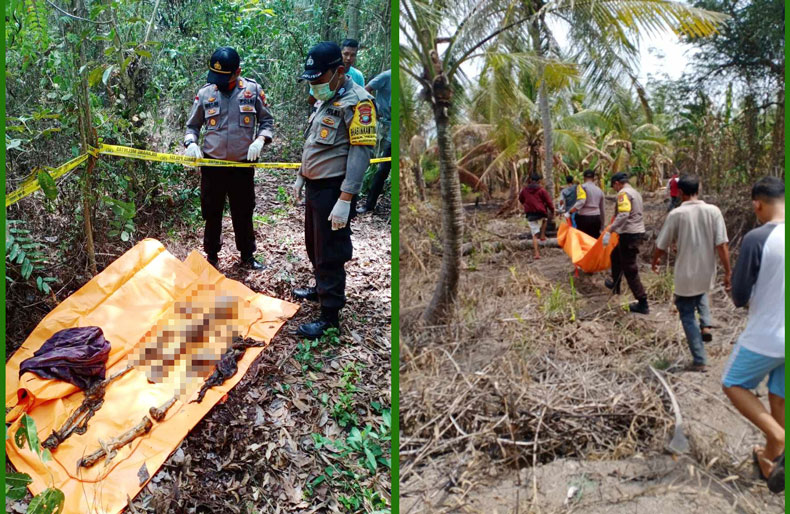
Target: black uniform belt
<point>325,183</point>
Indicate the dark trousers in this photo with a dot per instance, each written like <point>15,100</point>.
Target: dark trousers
<point>328,249</point>
<point>624,263</point>
<point>380,177</point>
<point>688,307</point>
<point>238,185</point>
<point>590,225</point>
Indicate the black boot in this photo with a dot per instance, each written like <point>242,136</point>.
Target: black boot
<point>251,264</point>
<point>640,307</point>
<point>213,259</point>
<point>317,328</point>
<point>610,284</point>
<point>306,293</point>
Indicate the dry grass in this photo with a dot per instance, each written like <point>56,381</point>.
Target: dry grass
<point>534,365</point>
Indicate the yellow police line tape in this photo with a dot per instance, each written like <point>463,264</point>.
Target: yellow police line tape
<point>31,184</point>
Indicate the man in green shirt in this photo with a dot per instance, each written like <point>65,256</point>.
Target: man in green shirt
<point>349,50</point>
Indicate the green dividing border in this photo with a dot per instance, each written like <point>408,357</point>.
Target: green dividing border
<point>395,217</point>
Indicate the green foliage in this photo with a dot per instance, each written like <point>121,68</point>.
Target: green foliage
<point>559,304</point>
<point>122,224</point>
<point>47,184</point>
<point>343,410</point>
<point>365,449</point>
<point>430,170</point>
<point>24,256</point>
<point>16,485</point>
<point>306,356</point>
<point>51,500</point>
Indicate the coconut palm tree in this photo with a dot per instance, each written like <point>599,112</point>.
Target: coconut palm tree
<point>440,36</point>
<point>604,35</point>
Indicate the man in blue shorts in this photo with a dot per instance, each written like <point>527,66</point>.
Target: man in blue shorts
<point>759,282</point>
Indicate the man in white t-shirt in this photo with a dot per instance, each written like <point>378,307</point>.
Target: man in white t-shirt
<point>698,230</point>
<point>759,282</point>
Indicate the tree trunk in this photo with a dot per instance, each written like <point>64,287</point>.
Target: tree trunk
<point>87,139</point>
<point>778,142</point>
<point>545,112</point>
<point>446,291</point>
<point>385,61</point>
<point>419,179</point>
<point>353,19</point>
<point>752,137</point>
<point>329,9</point>
<point>416,151</point>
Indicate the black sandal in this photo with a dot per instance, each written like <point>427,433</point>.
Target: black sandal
<point>776,480</point>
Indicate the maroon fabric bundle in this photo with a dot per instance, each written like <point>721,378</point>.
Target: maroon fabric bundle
<point>75,355</point>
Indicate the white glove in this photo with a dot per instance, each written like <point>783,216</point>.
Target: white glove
<point>255,150</point>
<point>567,215</point>
<point>339,214</point>
<point>606,237</point>
<point>193,150</point>
<point>296,188</point>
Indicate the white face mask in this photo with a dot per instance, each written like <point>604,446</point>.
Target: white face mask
<point>322,91</point>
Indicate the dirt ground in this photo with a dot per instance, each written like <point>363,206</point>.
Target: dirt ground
<point>534,353</point>
<point>258,451</point>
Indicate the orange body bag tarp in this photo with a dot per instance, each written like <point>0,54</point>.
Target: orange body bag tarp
<point>130,300</point>
<point>586,253</point>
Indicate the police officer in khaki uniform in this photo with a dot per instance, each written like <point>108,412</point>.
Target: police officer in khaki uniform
<point>339,144</point>
<point>238,125</point>
<point>628,222</point>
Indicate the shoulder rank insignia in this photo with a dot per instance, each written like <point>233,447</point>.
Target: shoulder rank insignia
<point>362,130</point>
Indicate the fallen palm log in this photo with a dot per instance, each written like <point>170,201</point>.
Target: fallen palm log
<point>78,421</point>
<point>158,413</point>
<point>227,366</point>
<point>111,447</point>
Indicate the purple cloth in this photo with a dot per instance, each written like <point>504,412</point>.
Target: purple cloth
<point>75,355</point>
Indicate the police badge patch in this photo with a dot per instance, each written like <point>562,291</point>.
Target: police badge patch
<point>362,130</point>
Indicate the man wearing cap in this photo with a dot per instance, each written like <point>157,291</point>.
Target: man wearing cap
<point>629,224</point>
<point>381,87</point>
<point>238,125</point>
<point>339,144</point>
<point>589,206</point>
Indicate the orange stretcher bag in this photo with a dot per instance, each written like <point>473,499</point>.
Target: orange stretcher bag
<point>586,253</point>
<point>135,300</point>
